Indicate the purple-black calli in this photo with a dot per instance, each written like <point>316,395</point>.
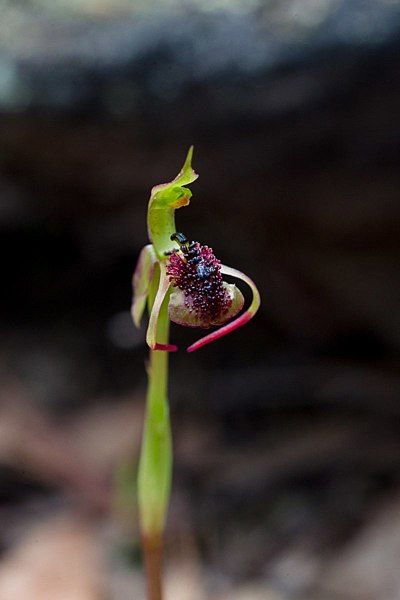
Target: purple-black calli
<point>199,295</point>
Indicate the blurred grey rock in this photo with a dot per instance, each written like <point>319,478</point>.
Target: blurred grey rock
<point>127,58</point>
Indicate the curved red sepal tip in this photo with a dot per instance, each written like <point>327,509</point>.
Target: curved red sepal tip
<point>165,347</point>
<point>215,335</point>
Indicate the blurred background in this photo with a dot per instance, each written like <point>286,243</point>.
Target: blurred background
<point>286,433</point>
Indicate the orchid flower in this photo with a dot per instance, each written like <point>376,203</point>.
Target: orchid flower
<point>190,275</point>
<point>179,281</point>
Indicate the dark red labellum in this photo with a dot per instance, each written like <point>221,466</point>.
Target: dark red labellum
<point>196,271</point>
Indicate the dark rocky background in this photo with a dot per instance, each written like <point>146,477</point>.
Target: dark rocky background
<point>287,437</point>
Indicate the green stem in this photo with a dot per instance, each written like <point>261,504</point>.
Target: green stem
<point>155,465</point>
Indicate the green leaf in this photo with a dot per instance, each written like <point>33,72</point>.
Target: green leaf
<point>164,200</point>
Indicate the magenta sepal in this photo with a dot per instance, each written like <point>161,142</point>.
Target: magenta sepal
<point>219,333</point>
